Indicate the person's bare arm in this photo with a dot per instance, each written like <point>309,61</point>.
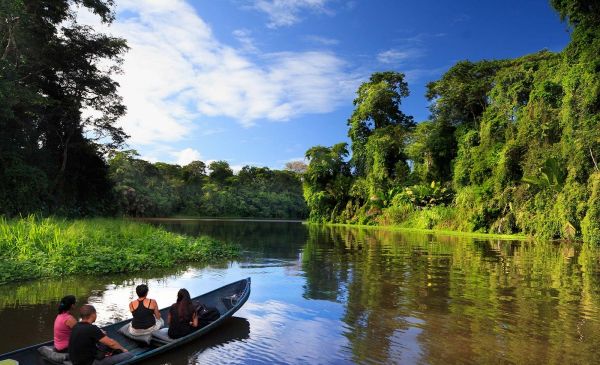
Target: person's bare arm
<point>194,320</point>
<point>156,311</point>
<point>71,321</point>
<point>112,343</point>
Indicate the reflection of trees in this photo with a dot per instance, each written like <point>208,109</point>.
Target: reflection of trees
<point>470,301</point>
<point>28,309</point>
<point>274,239</point>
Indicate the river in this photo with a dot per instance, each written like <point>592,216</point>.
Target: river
<point>338,295</point>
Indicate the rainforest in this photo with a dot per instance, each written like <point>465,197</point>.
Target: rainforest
<point>511,145</point>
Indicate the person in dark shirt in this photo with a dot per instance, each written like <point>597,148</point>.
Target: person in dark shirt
<point>85,339</point>
<point>182,319</point>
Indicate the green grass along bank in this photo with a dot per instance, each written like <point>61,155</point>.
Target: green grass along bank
<point>35,247</point>
<point>445,232</point>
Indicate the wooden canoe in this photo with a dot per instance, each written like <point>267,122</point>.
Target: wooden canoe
<point>226,299</point>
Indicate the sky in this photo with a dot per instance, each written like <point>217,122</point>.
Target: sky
<point>258,82</point>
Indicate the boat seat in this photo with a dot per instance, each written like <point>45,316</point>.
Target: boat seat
<point>162,336</point>
<point>139,338</point>
<point>48,352</point>
<point>229,302</point>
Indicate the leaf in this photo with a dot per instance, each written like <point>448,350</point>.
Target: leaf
<point>569,230</point>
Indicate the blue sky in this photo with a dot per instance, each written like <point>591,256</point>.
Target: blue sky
<point>259,82</point>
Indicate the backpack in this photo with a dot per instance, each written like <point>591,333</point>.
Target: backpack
<point>206,315</point>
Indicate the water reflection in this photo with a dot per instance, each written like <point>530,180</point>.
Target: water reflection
<point>429,299</point>
<point>335,295</point>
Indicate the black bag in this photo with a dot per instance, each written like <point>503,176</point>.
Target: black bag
<point>206,315</point>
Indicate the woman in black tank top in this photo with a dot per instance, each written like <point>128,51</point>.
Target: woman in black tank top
<point>143,317</point>
<point>146,316</point>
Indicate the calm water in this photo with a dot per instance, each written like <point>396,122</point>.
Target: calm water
<point>343,295</point>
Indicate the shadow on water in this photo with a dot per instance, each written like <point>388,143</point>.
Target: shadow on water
<point>235,329</point>
<point>351,295</point>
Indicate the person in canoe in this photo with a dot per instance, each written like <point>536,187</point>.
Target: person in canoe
<point>182,318</point>
<point>87,339</point>
<point>63,324</point>
<point>146,316</point>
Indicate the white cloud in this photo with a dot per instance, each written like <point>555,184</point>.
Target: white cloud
<point>177,71</point>
<point>287,12</point>
<point>324,41</point>
<point>395,56</point>
<point>150,158</point>
<point>237,168</point>
<point>186,156</point>
<point>244,36</point>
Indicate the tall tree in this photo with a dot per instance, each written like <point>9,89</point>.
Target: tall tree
<point>377,105</point>
<point>578,11</point>
<point>461,95</point>
<point>327,181</point>
<point>54,68</point>
<point>220,171</point>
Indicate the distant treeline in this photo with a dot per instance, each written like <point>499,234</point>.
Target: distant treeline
<point>145,189</point>
<point>511,146</point>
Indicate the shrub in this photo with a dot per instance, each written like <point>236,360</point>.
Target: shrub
<point>590,225</point>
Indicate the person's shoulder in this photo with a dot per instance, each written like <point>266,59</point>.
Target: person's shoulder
<point>96,330</point>
<point>81,327</point>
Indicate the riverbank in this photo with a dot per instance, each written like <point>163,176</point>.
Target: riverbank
<point>519,237</point>
<point>35,248</point>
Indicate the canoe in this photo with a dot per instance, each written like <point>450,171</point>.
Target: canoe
<point>226,299</point>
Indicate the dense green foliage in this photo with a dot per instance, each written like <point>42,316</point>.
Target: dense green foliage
<point>34,248</point>
<point>511,146</point>
<point>51,69</point>
<point>145,189</point>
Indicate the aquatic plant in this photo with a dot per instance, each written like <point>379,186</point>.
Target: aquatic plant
<point>35,247</point>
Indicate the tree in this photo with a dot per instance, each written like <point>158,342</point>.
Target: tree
<point>377,105</point>
<point>431,149</point>
<point>53,68</point>
<point>461,95</point>
<point>327,181</point>
<point>195,171</point>
<point>298,167</point>
<point>220,171</point>
<point>578,11</point>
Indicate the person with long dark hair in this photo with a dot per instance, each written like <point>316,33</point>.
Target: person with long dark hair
<point>63,324</point>
<point>182,318</point>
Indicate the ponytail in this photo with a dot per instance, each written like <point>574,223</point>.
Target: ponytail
<point>66,304</point>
